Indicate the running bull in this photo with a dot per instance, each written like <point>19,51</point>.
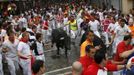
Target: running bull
<point>61,39</point>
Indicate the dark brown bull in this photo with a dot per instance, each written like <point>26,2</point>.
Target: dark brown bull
<point>61,39</point>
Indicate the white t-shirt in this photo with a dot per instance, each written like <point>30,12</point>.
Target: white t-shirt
<point>39,47</point>
<point>94,25</point>
<point>91,11</point>
<point>121,32</point>
<point>12,48</point>
<point>22,21</point>
<point>3,33</point>
<point>29,30</point>
<point>65,20</point>
<point>14,22</point>
<point>24,48</point>
<point>101,16</point>
<point>111,27</point>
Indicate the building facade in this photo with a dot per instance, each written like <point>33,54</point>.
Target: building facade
<point>124,5</point>
<point>127,5</point>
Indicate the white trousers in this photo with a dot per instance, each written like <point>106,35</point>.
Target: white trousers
<point>11,66</point>
<point>59,25</point>
<point>53,24</point>
<point>97,33</point>
<point>66,28</point>
<point>105,34</point>
<point>46,35</point>
<point>73,34</point>
<point>26,66</point>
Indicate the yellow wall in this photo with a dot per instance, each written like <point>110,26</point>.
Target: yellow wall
<point>126,6</point>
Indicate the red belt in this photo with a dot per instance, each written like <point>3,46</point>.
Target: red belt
<point>24,58</point>
<point>41,53</point>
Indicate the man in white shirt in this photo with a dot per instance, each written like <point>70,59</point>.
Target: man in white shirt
<point>14,22</point>
<point>12,58</point>
<point>22,21</point>
<point>121,30</point>
<point>101,15</point>
<point>25,54</point>
<point>59,20</point>
<point>53,21</point>
<point>46,29</point>
<point>94,26</point>
<point>79,21</point>
<point>110,31</point>
<point>2,36</point>
<point>39,48</point>
<point>65,20</point>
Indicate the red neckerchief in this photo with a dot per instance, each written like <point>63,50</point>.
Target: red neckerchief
<point>23,40</point>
